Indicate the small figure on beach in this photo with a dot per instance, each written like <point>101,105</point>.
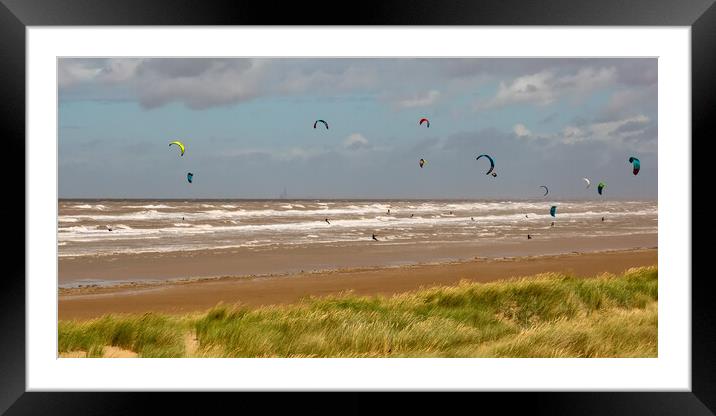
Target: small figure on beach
<point>374,238</point>
<point>327,221</point>
<point>552,224</point>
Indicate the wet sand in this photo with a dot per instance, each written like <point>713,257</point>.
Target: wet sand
<point>116,269</point>
<point>201,294</point>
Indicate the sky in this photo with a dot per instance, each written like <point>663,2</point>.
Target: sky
<point>247,124</point>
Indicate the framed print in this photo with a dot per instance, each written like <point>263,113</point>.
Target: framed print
<point>459,198</point>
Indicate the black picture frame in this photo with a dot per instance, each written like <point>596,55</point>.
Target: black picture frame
<point>16,15</point>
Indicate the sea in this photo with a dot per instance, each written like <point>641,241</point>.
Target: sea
<point>115,227</point>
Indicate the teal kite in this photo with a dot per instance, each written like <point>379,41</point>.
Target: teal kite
<point>553,210</point>
<point>492,164</point>
<point>636,165</point>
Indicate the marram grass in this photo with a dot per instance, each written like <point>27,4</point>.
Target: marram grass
<point>548,315</point>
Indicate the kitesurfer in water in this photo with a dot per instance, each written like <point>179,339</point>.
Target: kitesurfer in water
<point>529,237</point>
<point>374,238</point>
<point>552,224</point>
<point>327,221</point>
<point>602,219</point>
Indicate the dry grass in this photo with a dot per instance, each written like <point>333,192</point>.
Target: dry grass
<point>549,315</point>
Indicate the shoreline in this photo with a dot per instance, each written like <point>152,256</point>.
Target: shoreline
<point>122,269</point>
<point>182,296</point>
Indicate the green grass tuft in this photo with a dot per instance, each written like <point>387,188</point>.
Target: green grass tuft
<point>149,335</point>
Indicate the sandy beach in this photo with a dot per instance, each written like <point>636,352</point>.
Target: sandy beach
<point>194,295</point>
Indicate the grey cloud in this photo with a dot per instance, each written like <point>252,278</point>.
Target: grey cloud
<point>201,83</point>
<point>641,72</point>
<point>181,68</point>
<point>629,102</point>
<point>198,85</point>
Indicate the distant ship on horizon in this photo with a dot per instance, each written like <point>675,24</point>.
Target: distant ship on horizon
<point>284,194</point>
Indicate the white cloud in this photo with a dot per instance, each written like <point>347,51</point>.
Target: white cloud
<point>299,153</point>
<point>75,72</point>
<point>419,100</point>
<point>545,87</point>
<point>573,134</point>
<point>529,88</point>
<point>521,131</point>
<point>104,71</point>
<point>356,141</point>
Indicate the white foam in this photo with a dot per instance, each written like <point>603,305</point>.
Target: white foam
<point>151,206</point>
<point>87,206</point>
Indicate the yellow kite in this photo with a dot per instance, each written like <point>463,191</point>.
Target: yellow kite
<point>180,144</point>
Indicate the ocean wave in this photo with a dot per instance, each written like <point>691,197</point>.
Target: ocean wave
<point>151,206</point>
<point>150,227</point>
